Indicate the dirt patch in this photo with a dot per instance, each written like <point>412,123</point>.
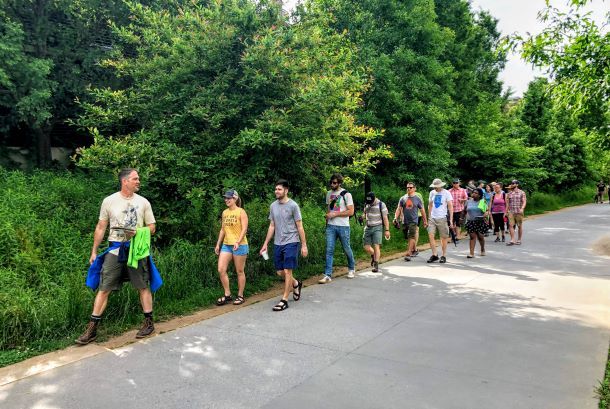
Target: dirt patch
<point>602,246</point>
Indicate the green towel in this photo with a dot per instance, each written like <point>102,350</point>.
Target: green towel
<point>139,247</point>
<point>482,205</point>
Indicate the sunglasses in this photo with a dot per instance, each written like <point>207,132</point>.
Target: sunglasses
<point>334,183</point>
<point>410,187</point>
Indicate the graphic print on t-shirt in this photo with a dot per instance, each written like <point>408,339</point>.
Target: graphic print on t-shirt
<point>409,204</point>
<point>131,217</point>
<point>438,201</point>
<point>337,206</point>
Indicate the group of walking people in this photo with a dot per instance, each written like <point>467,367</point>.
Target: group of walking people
<point>131,222</point>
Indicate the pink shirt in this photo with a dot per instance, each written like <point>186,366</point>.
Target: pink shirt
<point>498,203</point>
<point>459,195</point>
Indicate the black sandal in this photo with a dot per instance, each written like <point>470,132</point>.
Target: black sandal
<point>224,300</point>
<point>297,296</point>
<point>239,300</point>
<point>281,306</point>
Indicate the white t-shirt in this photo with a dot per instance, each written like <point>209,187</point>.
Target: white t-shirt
<point>127,213</point>
<point>340,206</point>
<point>439,203</point>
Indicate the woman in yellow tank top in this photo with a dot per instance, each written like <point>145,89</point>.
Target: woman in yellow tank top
<point>232,244</point>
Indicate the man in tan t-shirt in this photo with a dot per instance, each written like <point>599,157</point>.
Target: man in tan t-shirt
<point>123,211</point>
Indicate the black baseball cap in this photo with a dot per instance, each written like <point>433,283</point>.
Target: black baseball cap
<point>370,198</point>
<point>456,180</point>
<point>515,182</point>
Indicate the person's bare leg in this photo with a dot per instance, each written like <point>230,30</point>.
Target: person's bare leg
<point>432,244</point>
<point>100,303</point>
<point>511,231</point>
<point>520,232</point>
<point>481,237</point>
<point>444,246</point>
<point>369,250</point>
<point>289,283</point>
<point>223,264</point>
<point>240,267</point>
<point>377,249</point>
<point>472,242</point>
<point>146,299</point>
<point>411,249</point>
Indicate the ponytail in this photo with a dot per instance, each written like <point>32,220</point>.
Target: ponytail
<point>238,202</point>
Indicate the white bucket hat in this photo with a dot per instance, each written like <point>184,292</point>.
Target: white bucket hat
<point>437,183</point>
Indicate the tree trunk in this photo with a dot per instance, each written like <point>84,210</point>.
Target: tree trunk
<point>367,184</point>
<point>42,141</point>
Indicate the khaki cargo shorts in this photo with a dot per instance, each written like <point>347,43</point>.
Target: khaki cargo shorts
<point>515,219</point>
<point>440,225</point>
<point>115,273</point>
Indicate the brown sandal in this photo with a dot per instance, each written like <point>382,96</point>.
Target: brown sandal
<point>239,300</point>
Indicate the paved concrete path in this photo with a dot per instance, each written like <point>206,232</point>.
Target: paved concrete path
<point>523,327</point>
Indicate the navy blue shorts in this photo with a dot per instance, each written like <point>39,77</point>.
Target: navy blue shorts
<point>285,257</point>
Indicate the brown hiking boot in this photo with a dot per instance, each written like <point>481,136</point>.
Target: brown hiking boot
<point>147,328</point>
<point>89,335</point>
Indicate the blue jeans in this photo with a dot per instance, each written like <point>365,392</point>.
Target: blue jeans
<point>342,232</point>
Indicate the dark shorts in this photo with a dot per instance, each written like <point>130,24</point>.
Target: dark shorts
<point>286,256</point>
<point>456,218</point>
<point>410,230</point>
<point>114,274</point>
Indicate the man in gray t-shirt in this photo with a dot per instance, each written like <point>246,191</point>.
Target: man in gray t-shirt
<point>408,207</point>
<point>339,208</point>
<point>286,228</point>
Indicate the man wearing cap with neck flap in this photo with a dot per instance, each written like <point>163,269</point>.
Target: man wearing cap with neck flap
<point>376,219</point>
<point>440,205</point>
<point>515,204</point>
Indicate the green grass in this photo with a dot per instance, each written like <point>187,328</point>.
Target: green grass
<point>603,389</point>
<point>46,226</point>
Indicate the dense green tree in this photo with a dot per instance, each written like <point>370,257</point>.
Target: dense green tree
<point>72,37</point>
<point>401,45</point>
<point>229,94</point>
<point>575,52</point>
<point>25,86</point>
<point>550,127</point>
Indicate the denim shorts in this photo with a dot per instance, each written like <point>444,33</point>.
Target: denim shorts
<point>286,256</point>
<point>242,250</point>
<point>373,235</point>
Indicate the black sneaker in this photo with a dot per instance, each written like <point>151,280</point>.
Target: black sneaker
<point>432,259</point>
<point>415,253</point>
<point>443,259</point>
<point>147,328</point>
<point>497,240</point>
<point>89,335</point>
<point>407,258</point>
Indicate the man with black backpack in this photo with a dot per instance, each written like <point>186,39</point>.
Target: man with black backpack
<point>340,206</point>
<point>377,226</point>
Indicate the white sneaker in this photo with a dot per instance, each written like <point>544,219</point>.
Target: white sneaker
<point>324,280</point>
<point>351,274</point>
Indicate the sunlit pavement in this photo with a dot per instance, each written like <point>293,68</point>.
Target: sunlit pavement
<point>524,327</point>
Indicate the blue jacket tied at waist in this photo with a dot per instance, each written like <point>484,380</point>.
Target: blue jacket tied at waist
<point>95,270</point>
